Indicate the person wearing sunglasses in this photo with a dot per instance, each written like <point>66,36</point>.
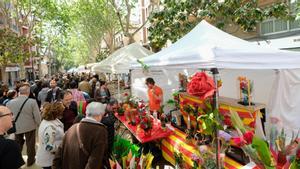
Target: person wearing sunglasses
<point>10,152</point>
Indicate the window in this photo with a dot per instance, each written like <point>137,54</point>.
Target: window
<point>273,26</point>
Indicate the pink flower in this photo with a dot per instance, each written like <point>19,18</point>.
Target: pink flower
<point>201,85</point>
<point>239,141</point>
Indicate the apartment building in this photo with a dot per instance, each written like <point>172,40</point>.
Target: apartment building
<point>14,71</point>
<point>277,33</point>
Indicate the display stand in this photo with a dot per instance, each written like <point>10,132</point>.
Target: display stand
<point>247,113</point>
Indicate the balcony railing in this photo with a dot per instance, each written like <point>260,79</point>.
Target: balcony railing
<point>276,26</point>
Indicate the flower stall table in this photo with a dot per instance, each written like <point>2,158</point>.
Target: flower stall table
<point>178,141</point>
<point>156,132</point>
<point>249,114</point>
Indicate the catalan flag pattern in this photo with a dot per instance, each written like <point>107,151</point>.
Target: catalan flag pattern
<point>177,142</point>
<point>247,116</point>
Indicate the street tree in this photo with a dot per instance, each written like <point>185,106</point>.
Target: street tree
<point>11,47</point>
<point>97,24</point>
<point>123,10</point>
<point>178,17</point>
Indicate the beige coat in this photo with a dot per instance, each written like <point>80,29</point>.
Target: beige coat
<point>29,118</point>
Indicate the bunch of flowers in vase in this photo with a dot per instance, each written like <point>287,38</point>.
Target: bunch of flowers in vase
<point>146,124</point>
<point>266,156</point>
<point>246,89</point>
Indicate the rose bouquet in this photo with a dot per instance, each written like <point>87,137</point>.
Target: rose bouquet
<point>146,124</point>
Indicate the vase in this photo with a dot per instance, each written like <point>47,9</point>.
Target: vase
<point>147,133</point>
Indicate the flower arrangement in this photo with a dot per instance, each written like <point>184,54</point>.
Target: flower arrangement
<point>246,89</point>
<point>146,124</point>
<point>296,162</point>
<point>264,155</point>
<point>131,162</point>
<point>201,85</point>
<point>163,120</point>
<point>175,101</point>
<point>121,111</point>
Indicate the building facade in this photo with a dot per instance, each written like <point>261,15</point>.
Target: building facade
<point>278,33</point>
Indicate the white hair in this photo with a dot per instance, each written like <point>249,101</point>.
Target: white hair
<point>95,108</point>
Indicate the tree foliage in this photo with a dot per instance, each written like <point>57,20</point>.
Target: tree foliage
<point>12,47</point>
<point>178,17</point>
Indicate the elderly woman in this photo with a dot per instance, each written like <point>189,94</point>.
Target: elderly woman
<point>50,133</point>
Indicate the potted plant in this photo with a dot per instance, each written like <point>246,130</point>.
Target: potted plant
<point>146,124</point>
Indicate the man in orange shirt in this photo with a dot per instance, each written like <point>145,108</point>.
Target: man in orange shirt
<point>155,95</point>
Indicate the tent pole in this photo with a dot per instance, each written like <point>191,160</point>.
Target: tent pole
<point>215,73</point>
<point>119,92</point>
<point>130,82</point>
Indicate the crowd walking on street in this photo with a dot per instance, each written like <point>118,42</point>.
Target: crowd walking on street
<point>58,114</point>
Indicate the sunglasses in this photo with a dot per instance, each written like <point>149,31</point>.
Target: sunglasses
<point>9,114</point>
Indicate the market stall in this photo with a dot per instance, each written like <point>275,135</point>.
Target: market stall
<point>214,50</point>
<point>119,62</point>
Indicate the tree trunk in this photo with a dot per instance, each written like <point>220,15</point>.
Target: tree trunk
<point>22,71</point>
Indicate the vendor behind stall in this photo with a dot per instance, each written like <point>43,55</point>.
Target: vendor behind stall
<point>155,95</point>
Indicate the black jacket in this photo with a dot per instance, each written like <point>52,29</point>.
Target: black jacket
<point>50,98</point>
<point>109,122</point>
<point>10,154</point>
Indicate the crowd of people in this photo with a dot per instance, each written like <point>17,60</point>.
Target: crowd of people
<point>50,108</point>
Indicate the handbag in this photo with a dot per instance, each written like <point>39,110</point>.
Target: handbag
<point>13,129</point>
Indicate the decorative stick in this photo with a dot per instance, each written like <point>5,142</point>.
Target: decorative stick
<point>240,80</point>
<point>249,99</point>
<point>189,122</point>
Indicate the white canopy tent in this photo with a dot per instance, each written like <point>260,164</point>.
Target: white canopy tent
<point>119,61</point>
<point>72,70</point>
<point>82,69</point>
<point>208,47</point>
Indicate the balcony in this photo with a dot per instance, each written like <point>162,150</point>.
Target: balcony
<point>277,26</point>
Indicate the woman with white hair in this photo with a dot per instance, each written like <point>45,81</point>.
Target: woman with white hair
<point>85,144</point>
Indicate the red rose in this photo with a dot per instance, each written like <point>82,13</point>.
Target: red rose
<point>252,124</point>
<point>238,141</point>
<point>298,153</point>
<point>144,120</point>
<point>137,119</point>
<point>242,85</point>
<point>125,94</point>
<point>143,126</point>
<point>201,85</point>
<point>227,121</point>
<point>248,136</point>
